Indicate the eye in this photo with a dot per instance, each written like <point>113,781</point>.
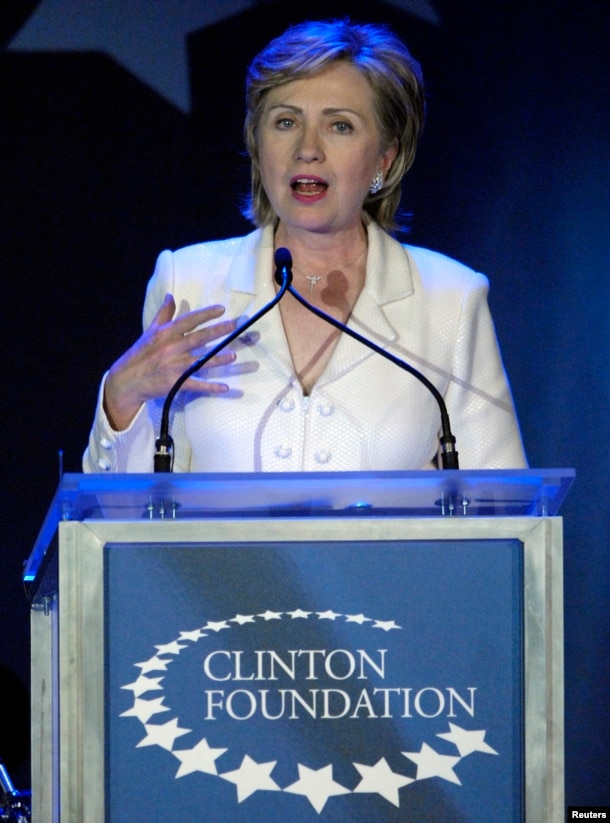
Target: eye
<point>343,127</point>
<point>284,123</point>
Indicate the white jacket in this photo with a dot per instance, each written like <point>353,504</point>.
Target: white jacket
<point>364,413</point>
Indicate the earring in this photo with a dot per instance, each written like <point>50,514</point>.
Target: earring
<point>377,183</point>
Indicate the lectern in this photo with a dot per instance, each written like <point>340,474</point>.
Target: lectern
<point>299,647</point>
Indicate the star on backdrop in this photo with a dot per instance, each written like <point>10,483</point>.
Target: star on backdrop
<point>380,779</point>
<point>144,684</point>
<point>252,777</point>
<point>269,615</point>
<point>466,741</point>
<point>145,709</point>
<point>317,785</point>
<point>432,764</point>
<point>328,615</point>
<point>170,648</point>
<point>201,758</point>
<point>163,734</point>
<point>148,39</point>
<point>155,664</point>
<point>242,619</point>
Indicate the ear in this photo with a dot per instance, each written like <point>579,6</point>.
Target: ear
<point>387,157</point>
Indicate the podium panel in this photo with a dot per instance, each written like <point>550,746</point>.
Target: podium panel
<point>302,668</point>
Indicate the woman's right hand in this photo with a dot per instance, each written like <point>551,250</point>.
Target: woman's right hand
<point>152,365</point>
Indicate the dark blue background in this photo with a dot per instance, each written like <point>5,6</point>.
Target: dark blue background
<point>99,173</point>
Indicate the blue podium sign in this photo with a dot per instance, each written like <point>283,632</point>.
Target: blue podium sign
<point>314,681</point>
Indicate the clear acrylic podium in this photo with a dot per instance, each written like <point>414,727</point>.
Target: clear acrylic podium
<point>312,647</point>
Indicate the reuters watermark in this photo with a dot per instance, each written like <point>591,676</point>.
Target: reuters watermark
<point>588,813</point>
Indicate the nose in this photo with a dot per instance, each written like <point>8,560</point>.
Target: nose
<point>309,147</point>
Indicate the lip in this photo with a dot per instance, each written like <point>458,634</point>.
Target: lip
<point>310,178</point>
<point>308,197</point>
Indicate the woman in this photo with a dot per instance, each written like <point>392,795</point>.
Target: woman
<point>334,112</point>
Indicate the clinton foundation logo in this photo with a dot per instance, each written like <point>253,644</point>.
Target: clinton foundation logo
<point>304,703</point>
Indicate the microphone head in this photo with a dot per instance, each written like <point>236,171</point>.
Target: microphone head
<point>283,265</point>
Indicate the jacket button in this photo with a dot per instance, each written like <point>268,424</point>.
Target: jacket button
<point>105,443</point>
<point>286,404</point>
<point>283,451</point>
<point>103,464</point>
<point>326,409</point>
<point>322,457</point>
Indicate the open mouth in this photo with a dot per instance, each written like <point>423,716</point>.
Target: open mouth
<point>308,185</point>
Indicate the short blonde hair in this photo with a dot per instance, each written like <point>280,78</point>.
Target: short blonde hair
<point>393,74</point>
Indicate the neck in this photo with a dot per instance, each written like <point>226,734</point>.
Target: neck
<point>318,253</point>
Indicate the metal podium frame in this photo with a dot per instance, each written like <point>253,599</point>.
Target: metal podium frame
<point>65,580</point>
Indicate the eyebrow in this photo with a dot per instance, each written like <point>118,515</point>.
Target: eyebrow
<point>329,110</point>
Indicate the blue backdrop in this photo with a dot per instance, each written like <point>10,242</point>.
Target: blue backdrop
<point>109,155</point>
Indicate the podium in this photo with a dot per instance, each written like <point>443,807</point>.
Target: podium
<point>299,647</point>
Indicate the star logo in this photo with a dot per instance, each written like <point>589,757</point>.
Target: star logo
<point>432,764</point>
<point>380,779</point>
<point>201,758</point>
<point>467,742</point>
<point>318,786</point>
<point>252,777</point>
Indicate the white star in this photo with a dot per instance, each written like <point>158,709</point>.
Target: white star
<point>467,742</point>
<point>380,779</point>
<point>433,764</point>
<point>357,618</point>
<point>269,615</point>
<point>386,625</point>
<point>195,635</point>
<point>242,619</point>
<point>170,648</point>
<point>317,785</point>
<point>144,684</point>
<point>155,664</point>
<point>252,777</point>
<point>298,613</point>
<point>216,626</point>
<point>201,758</point>
<point>328,615</point>
<point>163,734</point>
<point>145,709</point>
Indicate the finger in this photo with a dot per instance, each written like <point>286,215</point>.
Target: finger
<point>202,337</point>
<point>188,322</point>
<point>166,311</point>
<point>198,385</point>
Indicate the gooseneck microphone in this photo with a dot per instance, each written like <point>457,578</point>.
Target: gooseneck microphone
<point>449,455</point>
<point>164,445</point>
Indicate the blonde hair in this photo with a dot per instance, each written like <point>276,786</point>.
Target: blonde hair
<point>394,76</point>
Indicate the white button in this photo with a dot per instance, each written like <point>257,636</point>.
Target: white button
<point>105,443</point>
<point>326,409</point>
<point>103,464</point>
<point>283,451</point>
<point>322,457</point>
<point>286,404</point>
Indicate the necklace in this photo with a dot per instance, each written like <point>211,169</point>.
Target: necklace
<point>313,279</point>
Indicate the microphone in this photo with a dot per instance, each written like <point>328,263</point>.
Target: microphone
<point>449,455</point>
<point>164,444</point>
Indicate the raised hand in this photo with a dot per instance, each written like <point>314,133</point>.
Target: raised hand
<point>166,349</point>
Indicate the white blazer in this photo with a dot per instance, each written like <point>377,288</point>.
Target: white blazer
<point>364,413</point>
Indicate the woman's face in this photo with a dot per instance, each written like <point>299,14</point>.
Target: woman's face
<point>319,149</point>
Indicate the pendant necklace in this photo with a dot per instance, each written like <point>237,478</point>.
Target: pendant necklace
<point>313,279</point>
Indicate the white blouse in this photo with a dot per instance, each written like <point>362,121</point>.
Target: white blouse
<point>364,413</point>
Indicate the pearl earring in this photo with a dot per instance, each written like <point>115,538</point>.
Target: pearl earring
<point>377,183</point>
